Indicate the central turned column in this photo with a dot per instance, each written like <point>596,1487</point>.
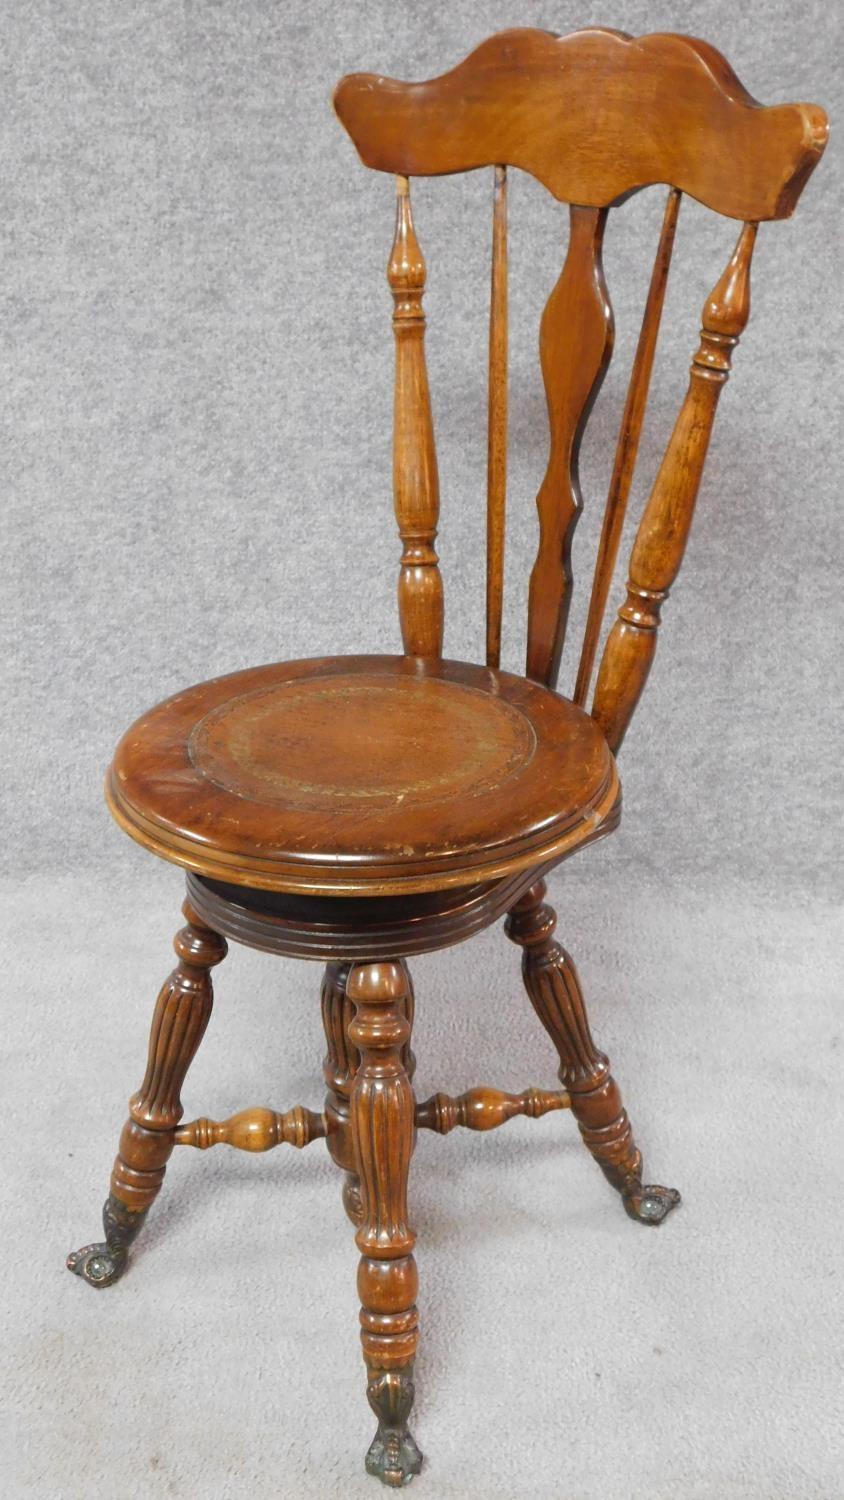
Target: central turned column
<point>382,1113</point>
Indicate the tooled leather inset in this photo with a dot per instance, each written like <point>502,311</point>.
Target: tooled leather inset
<point>256,746</point>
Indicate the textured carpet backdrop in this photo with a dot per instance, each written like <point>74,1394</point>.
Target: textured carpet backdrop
<point>196,401</point>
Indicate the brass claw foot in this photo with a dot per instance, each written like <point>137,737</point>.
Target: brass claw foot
<point>102,1264</point>
<point>651,1204</point>
<point>393,1455</point>
<point>99,1265</point>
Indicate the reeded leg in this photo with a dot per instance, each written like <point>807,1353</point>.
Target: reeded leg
<point>382,1109</point>
<point>178,1025</point>
<point>554,989</point>
<point>339,1068</point>
<point>341,1063</point>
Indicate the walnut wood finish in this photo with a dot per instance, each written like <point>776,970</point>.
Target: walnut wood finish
<point>627,448</point>
<point>359,810</point>
<point>664,528</point>
<point>391,926</point>
<point>350,776</point>
<point>593,116</point>
<point>263,1129</point>
<point>255,1130</point>
<point>149,1135</point>
<point>339,1066</point>
<point>382,1110</point>
<point>575,345</point>
<point>341,1063</point>
<point>415,480</point>
<point>486,1109</point>
<point>497,433</point>
<point>554,988</point>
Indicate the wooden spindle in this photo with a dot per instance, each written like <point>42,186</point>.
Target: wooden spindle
<point>486,1109</point>
<point>664,528</point>
<point>496,493</point>
<point>627,448</point>
<point>255,1130</point>
<point>415,481</point>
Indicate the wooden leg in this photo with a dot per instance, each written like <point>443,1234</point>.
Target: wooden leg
<point>382,1110</point>
<point>148,1137</point>
<point>339,1068</point>
<point>341,1063</point>
<point>554,988</point>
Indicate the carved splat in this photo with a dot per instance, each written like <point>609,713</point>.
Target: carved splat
<point>255,1130</point>
<point>575,344</point>
<point>415,479</point>
<point>664,528</point>
<point>627,447</point>
<point>486,1109</point>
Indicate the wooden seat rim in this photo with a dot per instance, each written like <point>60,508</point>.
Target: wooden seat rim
<point>273,875</point>
<point>462,913</point>
<point>358,938</point>
<point>320,928</point>
<point>563,796</point>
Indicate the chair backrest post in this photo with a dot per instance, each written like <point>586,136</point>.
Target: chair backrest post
<point>415,481</point>
<point>664,528</point>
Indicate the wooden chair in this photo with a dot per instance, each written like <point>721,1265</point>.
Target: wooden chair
<point>359,810</point>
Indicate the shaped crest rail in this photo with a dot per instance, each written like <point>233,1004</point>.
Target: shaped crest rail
<point>593,116</point>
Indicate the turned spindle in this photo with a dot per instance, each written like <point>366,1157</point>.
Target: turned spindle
<point>664,528</point>
<point>496,472</point>
<point>415,480</point>
<point>255,1130</point>
<point>486,1109</point>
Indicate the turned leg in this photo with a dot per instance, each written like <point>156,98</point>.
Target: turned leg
<point>554,989</point>
<point>178,1025</point>
<point>382,1110</point>
<point>339,1068</point>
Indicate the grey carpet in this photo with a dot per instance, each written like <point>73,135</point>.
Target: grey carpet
<point>196,391</point>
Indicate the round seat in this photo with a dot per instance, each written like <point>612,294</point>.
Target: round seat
<point>346,774</point>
